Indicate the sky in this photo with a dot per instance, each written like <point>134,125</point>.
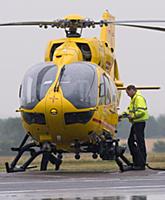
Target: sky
<point>140,53</point>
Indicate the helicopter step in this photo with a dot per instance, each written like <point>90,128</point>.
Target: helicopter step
<point>48,152</point>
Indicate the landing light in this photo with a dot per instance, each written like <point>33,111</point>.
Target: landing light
<point>53,111</point>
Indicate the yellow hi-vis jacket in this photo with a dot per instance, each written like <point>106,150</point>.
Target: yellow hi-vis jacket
<point>137,108</point>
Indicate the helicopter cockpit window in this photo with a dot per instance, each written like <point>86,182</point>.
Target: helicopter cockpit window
<point>85,50</point>
<point>104,93</point>
<point>54,47</point>
<point>114,92</point>
<point>107,89</point>
<point>36,83</point>
<point>79,84</point>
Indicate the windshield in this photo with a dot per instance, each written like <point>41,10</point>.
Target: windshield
<point>36,83</point>
<point>79,84</point>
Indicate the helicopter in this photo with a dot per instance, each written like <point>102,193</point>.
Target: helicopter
<point>69,103</point>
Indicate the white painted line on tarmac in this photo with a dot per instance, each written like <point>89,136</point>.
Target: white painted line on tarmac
<point>162,172</point>
<point>147,188</point>
<point>72,180</point>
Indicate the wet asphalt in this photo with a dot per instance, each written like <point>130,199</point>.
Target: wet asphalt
<point>50,185</point>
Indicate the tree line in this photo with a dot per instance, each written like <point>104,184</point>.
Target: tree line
<point>155,128</point>
<point>12,132</point>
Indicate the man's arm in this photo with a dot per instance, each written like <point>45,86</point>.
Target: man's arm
<point>140,107</point>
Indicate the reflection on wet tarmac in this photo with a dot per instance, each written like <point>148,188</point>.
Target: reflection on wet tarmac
<point>104,198</point>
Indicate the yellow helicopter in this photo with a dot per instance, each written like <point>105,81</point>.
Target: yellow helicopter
<point>69,103</point>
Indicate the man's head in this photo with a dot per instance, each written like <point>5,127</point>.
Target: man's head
<point>131,90</point>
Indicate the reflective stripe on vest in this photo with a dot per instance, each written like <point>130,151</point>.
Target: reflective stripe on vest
<point>138,108</point>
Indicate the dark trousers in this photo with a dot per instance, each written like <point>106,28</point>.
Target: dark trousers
<point>136,144</point>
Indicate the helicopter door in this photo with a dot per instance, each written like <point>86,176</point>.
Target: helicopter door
<point>106,105</point>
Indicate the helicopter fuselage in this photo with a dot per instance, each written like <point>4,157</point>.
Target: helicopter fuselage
<point>79,102</point>
<point>69,102</point>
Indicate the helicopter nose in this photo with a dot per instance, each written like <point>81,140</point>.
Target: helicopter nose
<point>54,112</point>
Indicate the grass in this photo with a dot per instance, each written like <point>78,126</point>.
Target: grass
<point>86,163</point>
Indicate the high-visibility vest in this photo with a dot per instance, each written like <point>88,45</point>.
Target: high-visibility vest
<point>138,108</point>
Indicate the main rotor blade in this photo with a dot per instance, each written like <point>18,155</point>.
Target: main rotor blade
<point>116,22</point>
<point>127,24</point>
<point>35,23</point>
<point>87,23</point>
<point>20,23</point>
<point>154,28</point>
<point>61,23</point>
<point>137,21</point>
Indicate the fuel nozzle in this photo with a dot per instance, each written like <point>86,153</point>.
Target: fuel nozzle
<point>125,115</point>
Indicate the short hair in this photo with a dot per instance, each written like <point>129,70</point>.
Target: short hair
<point>131,87</point>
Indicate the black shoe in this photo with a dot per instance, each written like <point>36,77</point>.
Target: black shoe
<point>138,167</point>
<point>127,168</point>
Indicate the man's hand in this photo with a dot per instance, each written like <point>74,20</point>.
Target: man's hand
<point>130,117</point>
<point>125,115</point>
<point>120,118</point>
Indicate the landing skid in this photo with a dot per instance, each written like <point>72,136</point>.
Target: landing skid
<point>108,149</point>
<point>48,155</point>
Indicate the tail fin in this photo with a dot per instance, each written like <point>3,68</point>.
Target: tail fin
<point>108,32</point>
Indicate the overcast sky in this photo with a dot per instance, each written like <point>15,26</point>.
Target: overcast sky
<point>140,53</point>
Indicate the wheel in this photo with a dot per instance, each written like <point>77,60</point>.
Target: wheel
<point>94,156</point>
<point>77,156</point>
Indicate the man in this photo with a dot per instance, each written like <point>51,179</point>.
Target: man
<point>137,114</point>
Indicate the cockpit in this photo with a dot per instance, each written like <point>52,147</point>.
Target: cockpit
<point>36,83</point>
<point>78,83</point>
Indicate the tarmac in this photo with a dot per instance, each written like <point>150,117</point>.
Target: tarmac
<point>113,185</point>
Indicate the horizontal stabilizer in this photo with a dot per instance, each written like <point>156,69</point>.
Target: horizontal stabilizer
<point>141,88</point>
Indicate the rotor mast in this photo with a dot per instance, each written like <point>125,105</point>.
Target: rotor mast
<point>71,31</point>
